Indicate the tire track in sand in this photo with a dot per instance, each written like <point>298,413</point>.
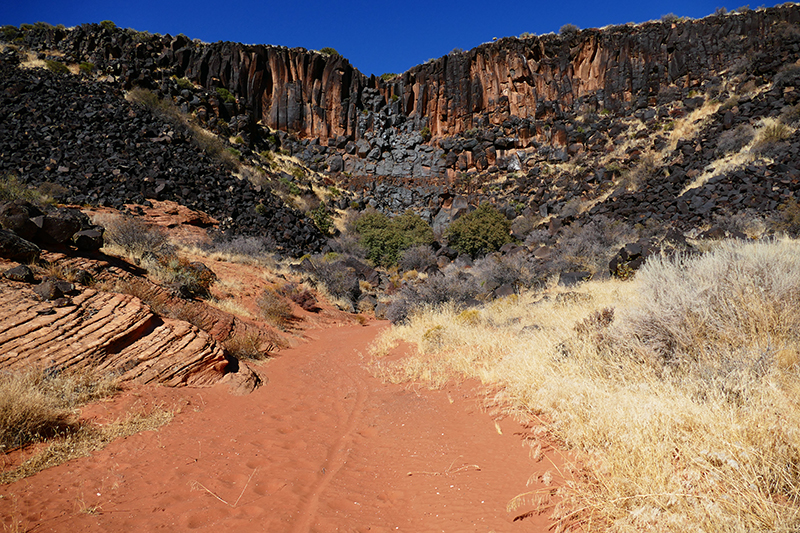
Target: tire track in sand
<point>337,454</point>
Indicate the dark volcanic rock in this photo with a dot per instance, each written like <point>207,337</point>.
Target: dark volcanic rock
<point>16,248</point>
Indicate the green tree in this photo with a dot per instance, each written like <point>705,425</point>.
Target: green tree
<point>385,238</point>
<point>481,232</point>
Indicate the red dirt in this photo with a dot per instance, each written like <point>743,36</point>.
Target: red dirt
<point>323,446</point>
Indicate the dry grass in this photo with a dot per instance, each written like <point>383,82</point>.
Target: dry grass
<point>38,404</point>
<point>84,440</point>
<point>691,125</point>
<point>683,408</point>
<point>42,406</point>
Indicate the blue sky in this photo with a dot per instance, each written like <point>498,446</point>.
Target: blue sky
<point>376,36</point>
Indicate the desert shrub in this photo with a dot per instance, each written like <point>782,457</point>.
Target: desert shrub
<point>589,247</point>
<point>385,238</point>
<point>9,32</point>
<point>187,279</point>
<point>739,298</point>
<point>788,76</point>
<point>340,280</point>
<point>670,17</point>
<point>567,29</point>
<point>301,296</point>
<point>495,270</point>
<point>11,188</point>
<point>328,51</point>
<point>184,83</point>
<point>322,218</point>
<point>136,237</point>
<point>769,132</point>
<point>451,286</point>
<point>274,308</point>
<point>426,133</point>
<point>108,25</point>
<point>38,404</point>
<point>247,346</point>
<point>736,139</point>
<point>483,231</point>
<point>417,258</point>
<point>787,218</point>
<point>348,244</point>
<point>239,245</point>
<point>56,66</point>
<point>226,95</point>
<point>86,68</point>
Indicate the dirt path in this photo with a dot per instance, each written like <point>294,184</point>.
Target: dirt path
<point>324,446</point>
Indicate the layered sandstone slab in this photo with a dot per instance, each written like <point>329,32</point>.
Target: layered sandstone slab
<point>105,332</point>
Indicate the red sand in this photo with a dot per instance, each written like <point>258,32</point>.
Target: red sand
<point>323,446</point>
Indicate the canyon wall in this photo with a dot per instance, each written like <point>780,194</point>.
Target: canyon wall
<point>322,96</point>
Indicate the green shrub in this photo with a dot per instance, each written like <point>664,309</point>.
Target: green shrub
<point>184,83</point>
<point>56,66</point>
<point>86,67</point>
<point>322,218</point>
<point>329,51</point>
<point>226,95</point>
<point>290,187</point>
<point>108,25</point>
<point>12,189</point>
<point>386,76</point>
<point>9,32</point>
<point>483,231</point>
<point>426,133</point>
<point>385,238</point>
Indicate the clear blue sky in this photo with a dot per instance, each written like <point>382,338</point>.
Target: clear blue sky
<point>376,36</point>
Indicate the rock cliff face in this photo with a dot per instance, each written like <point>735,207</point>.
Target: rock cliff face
<point>322,96</point>
<point>613,68</point>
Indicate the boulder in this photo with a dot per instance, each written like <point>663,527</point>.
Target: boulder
<point>14,247</point>
<point>21,273</point>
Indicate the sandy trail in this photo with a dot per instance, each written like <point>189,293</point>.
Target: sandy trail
<point>324,446</point>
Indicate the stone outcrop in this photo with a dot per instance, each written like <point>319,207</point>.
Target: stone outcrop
<point>323,96</point>
<point>107,333</point>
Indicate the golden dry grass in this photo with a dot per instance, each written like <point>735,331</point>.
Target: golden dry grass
<point>683,410</point>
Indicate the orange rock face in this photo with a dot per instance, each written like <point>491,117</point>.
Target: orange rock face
<point>107,333</point>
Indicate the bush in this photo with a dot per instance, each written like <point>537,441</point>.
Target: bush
<point>255,247</point>
<point>426,133</point>
<point>56,66</point>
<point>481,232</point>
<point>86,68</point>
<point>385,238</point>
<point>736,139</point>
<point>340,280</point>
<point>247,346</point>
<point>322,218</point>
<point>274,308</point>
<point>136,237</point>
<point>496,270</point>
<point>328,51</point>
<point>739,298</point>
<point>108,25</point>
<point>568,29</point>
<point>417,258</point>
<point>188,279</point>
<point>12,189</point>
<point>453,285</point>
<point>226,95</point>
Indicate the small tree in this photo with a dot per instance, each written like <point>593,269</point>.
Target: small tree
<point>481,232</point>
<point>385,238</point>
